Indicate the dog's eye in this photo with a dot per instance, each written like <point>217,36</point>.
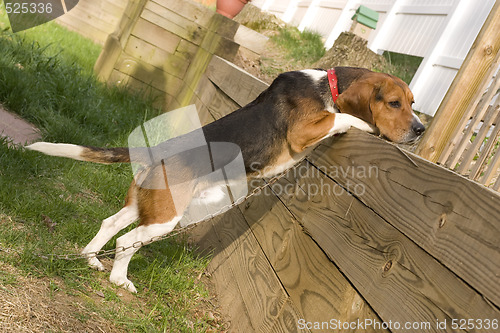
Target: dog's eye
<point>395,104</point>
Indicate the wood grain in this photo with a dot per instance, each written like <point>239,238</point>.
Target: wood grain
<point>246,266</point>
<point>287,320</point>
<point>250,39</point>
<point>76,23</point>
<point>190,10</point>
<point>450,217</point>
<point>221,105</point>
<point>401,281</point>
<point>149,74</point>
<point>176,24</point>
<point>118,78</point>
<point>234,82</point>
<point>156,35</point>
<point>171,63</point>
<point>315,286</point>
<point>94,19</point>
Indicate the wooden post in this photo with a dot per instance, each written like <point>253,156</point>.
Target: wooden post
<point>465,91</point>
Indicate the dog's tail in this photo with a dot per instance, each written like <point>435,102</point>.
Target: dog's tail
<point>83,153</point>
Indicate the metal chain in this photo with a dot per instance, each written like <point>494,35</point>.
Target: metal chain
<point>139,244</point>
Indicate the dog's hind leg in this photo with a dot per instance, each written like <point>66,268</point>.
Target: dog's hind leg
<point>130,243</point>
<point>158,214</point>
<point>109,227</point>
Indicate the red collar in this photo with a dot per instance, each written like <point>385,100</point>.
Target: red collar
<point>334,83</point>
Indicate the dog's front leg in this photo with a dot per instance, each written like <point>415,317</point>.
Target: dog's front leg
<point>343,122</point>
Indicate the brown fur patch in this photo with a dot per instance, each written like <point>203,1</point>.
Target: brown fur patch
<point>311,126</point>
<point>106,155</point>
<point>155,198</point>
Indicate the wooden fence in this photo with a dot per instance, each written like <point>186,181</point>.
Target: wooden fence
<point>94,19</point>
<point>170,47</point>
<point>465,133</point>
<point>359,233</point>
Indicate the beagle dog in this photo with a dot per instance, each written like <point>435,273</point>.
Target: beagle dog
<point>275,131</point>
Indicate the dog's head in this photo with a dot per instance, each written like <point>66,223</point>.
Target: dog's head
<point>384,101</point>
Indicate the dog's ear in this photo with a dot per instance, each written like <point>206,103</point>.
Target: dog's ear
<point>357,99</point>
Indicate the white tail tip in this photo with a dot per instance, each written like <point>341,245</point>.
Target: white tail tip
<point>57,149</point>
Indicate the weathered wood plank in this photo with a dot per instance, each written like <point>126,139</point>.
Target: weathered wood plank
<point>85,18</point>
<point>102,10</point>
<point>256,281</point>
<point>75,24</point>
<point>174,23</point>
<point>287,321</point>
<point>216,102</point>
<point>401,281</point>
<point>485,152</point>
<point>186,49</point>
<point>453,219</point>
<point>155,35</point>
<point>190,10</point>
<point>149,74</point>
<point>102,4</point>
<point>316,287</point>
<point>170,63</point>
<point>205,237</point>
<point>160,97</point>
<point>234,82</point>
<point>206,91</point>
<point>203,112</point>
<point>94,19</point>
<point>120,79</point>
<point>250,39</point>
<point>221,105</point>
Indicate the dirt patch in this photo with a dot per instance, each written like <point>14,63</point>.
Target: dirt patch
<point>273,60</point>
<point>262,22</point>
<point>270,64</point>
<point>351,50</point>
<point>209,307</point>
<point>30,304</point>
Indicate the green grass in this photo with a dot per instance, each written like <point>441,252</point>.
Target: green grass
<point>45,76</point>
<point>292,49</point>
<point>402,65</point>
<point>302,46</point>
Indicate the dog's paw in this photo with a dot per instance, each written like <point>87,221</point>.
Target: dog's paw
<point>124,283</point>
<point>92,260</point>
<point>95,264</point>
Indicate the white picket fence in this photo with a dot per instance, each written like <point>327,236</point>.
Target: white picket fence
<point>439,31</point>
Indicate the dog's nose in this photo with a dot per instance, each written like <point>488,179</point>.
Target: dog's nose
<point>418,128</point>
